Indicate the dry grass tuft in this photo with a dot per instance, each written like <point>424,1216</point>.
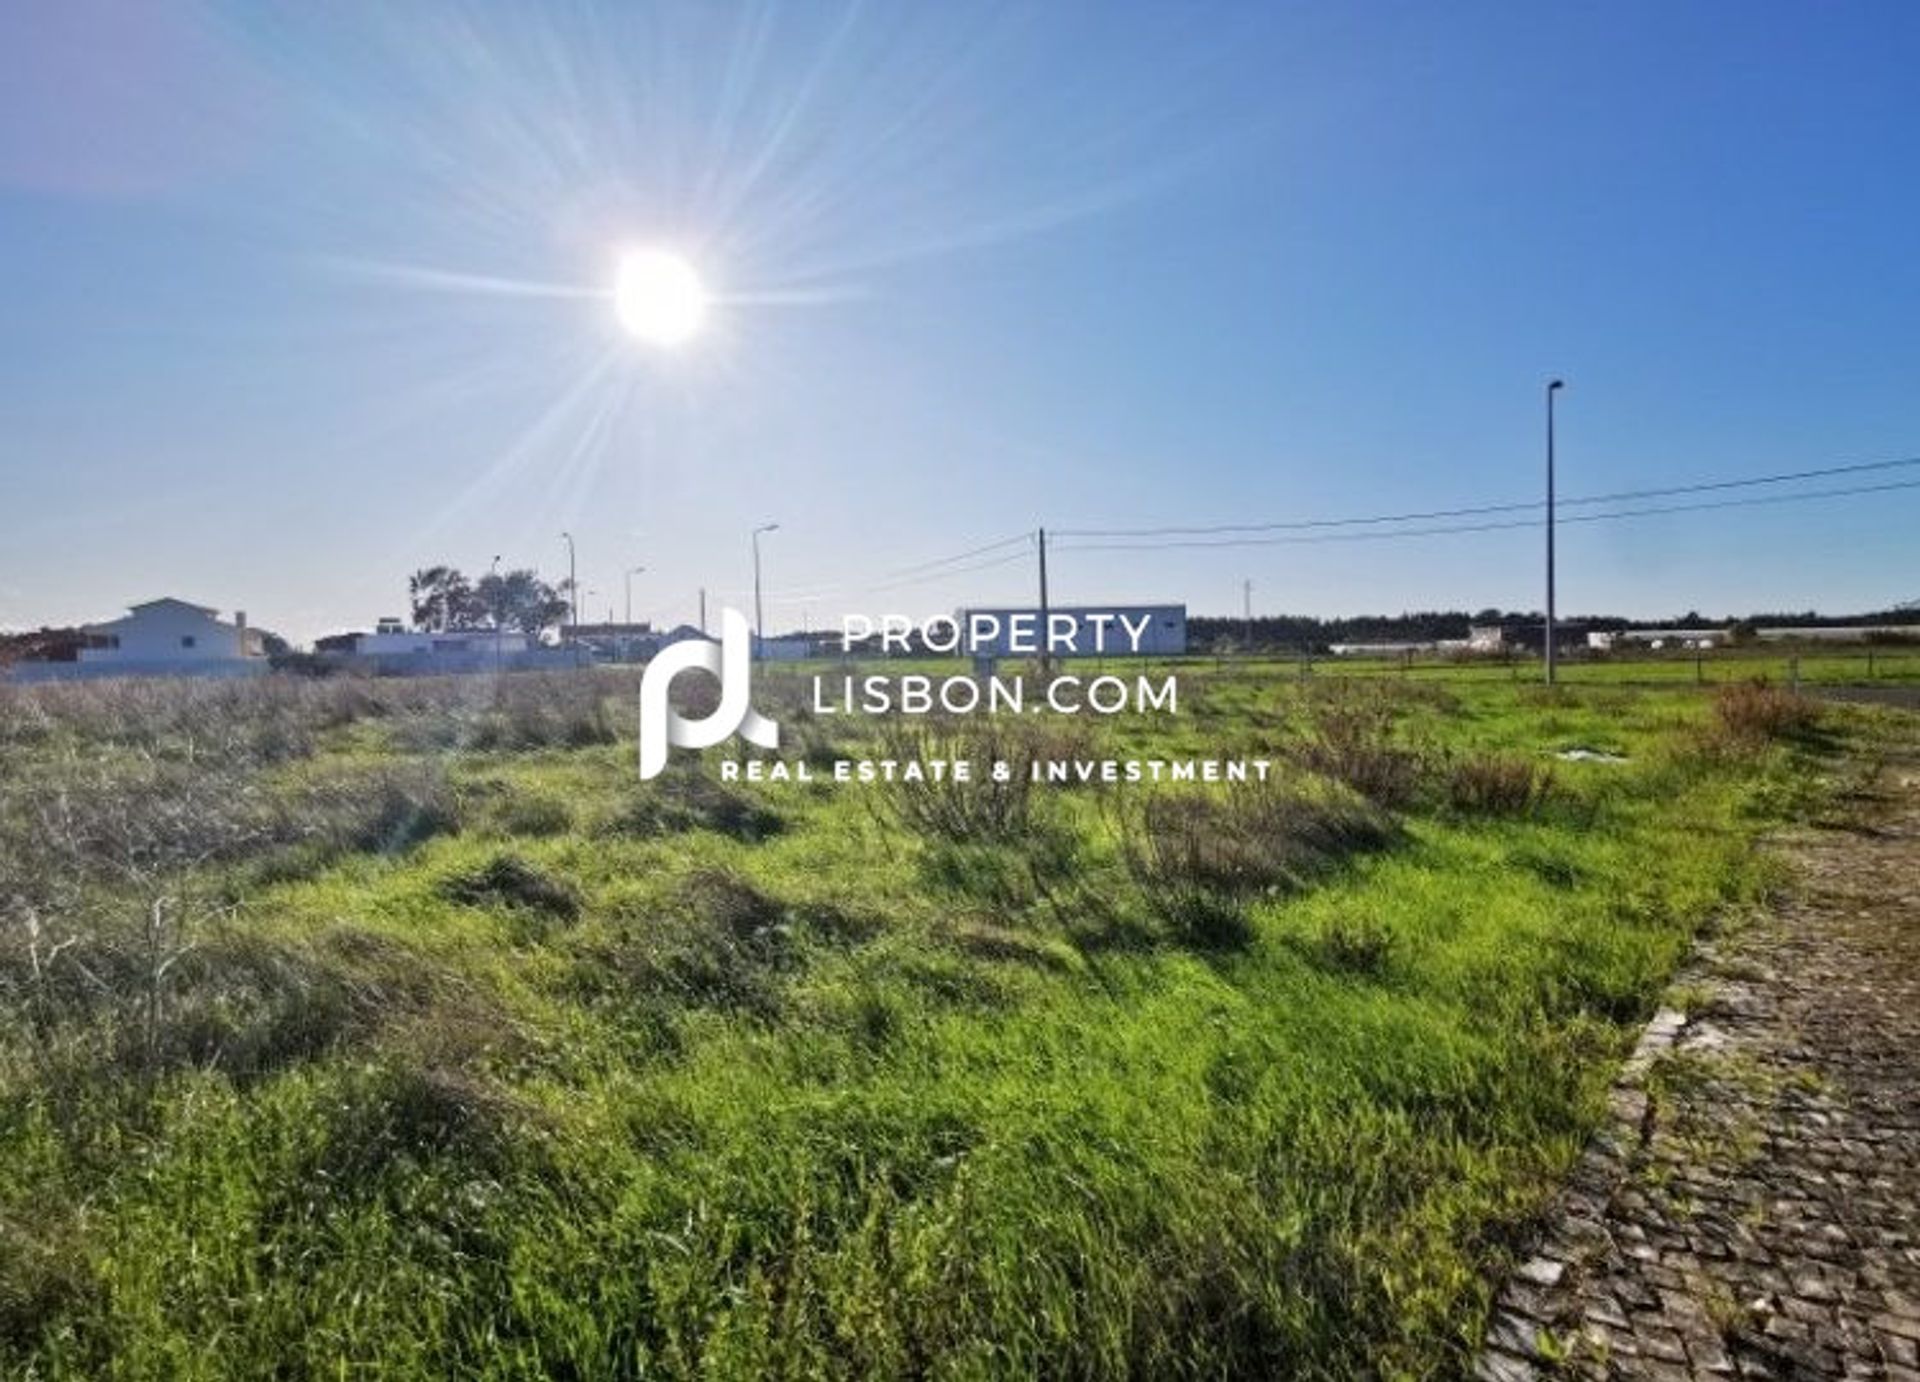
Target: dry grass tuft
<point>1198,857</point>
<point>1498,785</point>
<point>1747,714</point>
<point>1350,738</point>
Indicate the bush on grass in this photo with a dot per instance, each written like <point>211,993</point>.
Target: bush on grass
<point>1199,857</point>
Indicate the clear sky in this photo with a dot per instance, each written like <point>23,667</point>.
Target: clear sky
<point>298,298</point>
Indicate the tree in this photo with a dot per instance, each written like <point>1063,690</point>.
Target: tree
<point>442,599</point>
<point>521,600</point>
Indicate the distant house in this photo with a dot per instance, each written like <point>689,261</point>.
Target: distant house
<point>160,638</point>
<point>384,642</point>
<point>393,650</point>
<point>612,642</point>
<point>171,631</point>
<point>1486,638</point>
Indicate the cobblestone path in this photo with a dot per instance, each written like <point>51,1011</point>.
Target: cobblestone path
<point>1753,1209</point>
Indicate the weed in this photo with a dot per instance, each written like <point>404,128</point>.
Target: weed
<point>989,807</point>
<point>1751,713</point>
<point>685,799</point>
<point>507,880</point>
<point>1197,855</point>
<point>1497,785</point>
<point>1351,739</point>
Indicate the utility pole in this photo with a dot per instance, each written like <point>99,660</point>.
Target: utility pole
<point>1553,387</point>
<point>1046,629</point>
<point>703,609</point>
<point>631,573</point>
<point>1246,597</point>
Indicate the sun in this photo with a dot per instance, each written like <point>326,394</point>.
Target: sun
<point>659,297</point>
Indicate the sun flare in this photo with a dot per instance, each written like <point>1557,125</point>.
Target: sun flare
<point>659,297</point>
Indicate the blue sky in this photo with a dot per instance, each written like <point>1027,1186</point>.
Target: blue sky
<point>299,298</point>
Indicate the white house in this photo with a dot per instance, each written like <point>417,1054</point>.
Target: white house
<point>171,635</point>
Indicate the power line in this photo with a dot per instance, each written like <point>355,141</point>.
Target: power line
<point>954,571</point>
<point>1150,546</point>
<point>962,556</point>
<point>1481,510</point>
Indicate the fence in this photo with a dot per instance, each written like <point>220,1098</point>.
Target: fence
<point>1824,667</point>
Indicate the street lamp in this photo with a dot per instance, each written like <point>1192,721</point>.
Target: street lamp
<point>759,628</point>
<point>1553,387</point>
<point>573,581</point>
<point>631,573</point>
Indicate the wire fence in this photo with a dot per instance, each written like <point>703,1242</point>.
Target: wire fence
<point>1861,667</point>
<point>1703,667</point>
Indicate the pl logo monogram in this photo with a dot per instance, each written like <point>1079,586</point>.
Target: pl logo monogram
<point>732,662</point>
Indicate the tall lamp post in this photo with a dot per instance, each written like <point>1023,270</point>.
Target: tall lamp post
<point>573,595</point>
<point>631,573</point>
<point>1553,387</point>
<point>759,626</point>
<point>573,579</point>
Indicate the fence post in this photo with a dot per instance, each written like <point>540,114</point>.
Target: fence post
<point>1699,669</point>
<point>1869,664</point>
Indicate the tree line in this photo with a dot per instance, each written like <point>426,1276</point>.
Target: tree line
<point>442,598</point>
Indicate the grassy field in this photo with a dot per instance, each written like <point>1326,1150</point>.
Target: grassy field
<point>396,1029</point>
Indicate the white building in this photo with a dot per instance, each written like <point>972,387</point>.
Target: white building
<point>171,635</point>
<point>1097,630</point>
<point>386,642</point>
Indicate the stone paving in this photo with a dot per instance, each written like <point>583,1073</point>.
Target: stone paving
<point>1753,1207</point>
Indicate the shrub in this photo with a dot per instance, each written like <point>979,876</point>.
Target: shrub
<point>985,809</point>
<point>532,813</point>
<point>1750,713</point>
<point>384,808</point>
<point>507,880</point>
<point>1498,785</point>
<point>1354,944</point>
<point>1351,740</point>
<point>1196,857</point>
<point>720,943</point>
<point>685,799</point>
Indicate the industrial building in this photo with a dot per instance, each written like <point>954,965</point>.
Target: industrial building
<point>1096,630</point>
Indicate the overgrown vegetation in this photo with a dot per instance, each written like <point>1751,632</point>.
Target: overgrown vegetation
<point>1199,858</point>
<point>1752,713</point>
<point>395,1029</point>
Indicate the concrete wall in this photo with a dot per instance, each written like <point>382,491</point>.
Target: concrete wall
<point>459,642</point>
<point>30,673</point>
<point>448,663</point>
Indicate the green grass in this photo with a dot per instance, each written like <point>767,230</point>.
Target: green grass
<point>594,1080</point>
